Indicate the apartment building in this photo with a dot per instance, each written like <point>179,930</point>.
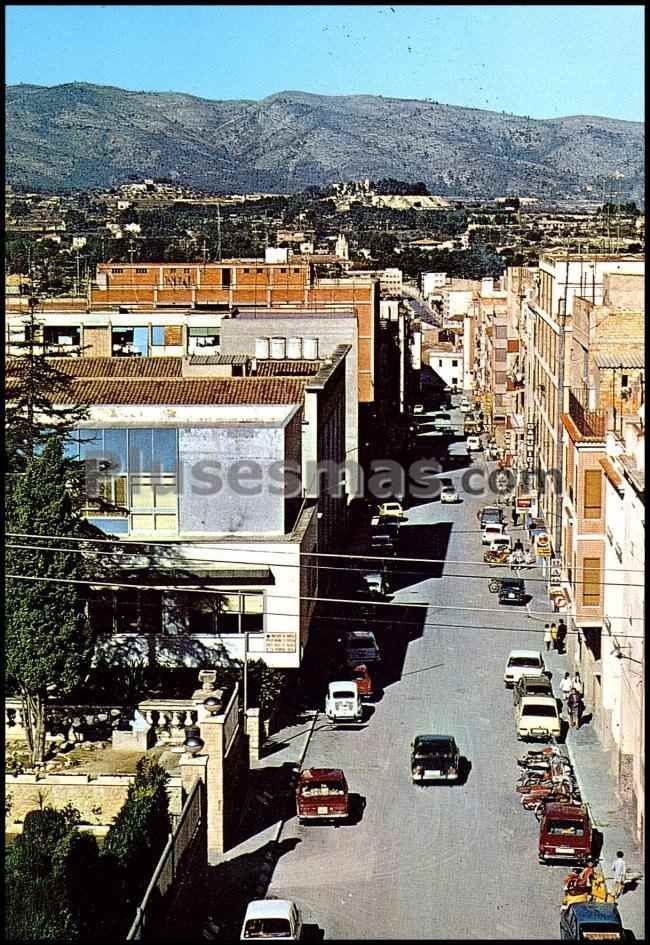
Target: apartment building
<point>549,312</point>
<point>209,473</point>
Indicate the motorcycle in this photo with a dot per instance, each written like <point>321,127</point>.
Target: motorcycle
<point>495,558</point>
<point>591,890</point>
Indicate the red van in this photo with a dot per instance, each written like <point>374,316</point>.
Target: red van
<point>322,794</point>
<point>565,834</point>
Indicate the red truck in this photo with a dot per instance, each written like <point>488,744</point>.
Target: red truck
<point>322,794</point>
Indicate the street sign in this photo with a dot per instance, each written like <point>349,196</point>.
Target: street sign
<point>543,545</point>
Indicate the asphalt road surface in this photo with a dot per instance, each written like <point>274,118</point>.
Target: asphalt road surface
<point>440,861</point>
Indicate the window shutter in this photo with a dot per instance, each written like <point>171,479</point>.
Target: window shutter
<point>592,493</point>
<point>173,335</point>
<point>591,582</point>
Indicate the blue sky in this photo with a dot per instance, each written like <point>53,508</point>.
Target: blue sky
<point>541,61</point>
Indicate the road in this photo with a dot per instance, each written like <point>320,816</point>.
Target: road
<point>440,861</point>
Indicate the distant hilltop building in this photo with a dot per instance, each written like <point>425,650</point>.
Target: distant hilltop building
<point>341,248</point>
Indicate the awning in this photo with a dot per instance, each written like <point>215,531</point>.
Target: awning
<point>515,421</point>
<point>208,576</point>
<point>614,477</point>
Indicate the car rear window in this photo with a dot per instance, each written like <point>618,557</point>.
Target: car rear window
<point>565,828</point>
<point>537,687</point>
<point>344,694</point>
<point>524,660</point>
<point>548,711</point>
<point>271,928</point>
<point>322,789</point>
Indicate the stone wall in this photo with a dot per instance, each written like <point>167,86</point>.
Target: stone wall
<point>108,792</point>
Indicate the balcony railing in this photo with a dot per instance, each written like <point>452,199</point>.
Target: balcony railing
<point>592,423</point>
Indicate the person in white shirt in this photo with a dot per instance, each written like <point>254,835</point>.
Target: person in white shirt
<point>577,684</point>
<point>618,872</point>
<point>548,639</point>
<point>566,686</point>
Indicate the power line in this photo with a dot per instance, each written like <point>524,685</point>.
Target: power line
<point>405,571</point>
<point>333,600</point>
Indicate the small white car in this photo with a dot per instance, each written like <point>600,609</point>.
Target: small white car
<point>500,543</point>
<point>522,663</point>
<point>465,405</point>
<point>270,919</point>
<point>537,717</point>
<point>342,702</point>
<point>418,409</point>
<point>492,531</point>
<point>473,444</point>
<point>391,508</point>
<point>449,494</point>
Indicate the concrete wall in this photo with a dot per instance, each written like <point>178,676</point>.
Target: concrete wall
<point>230,511</point>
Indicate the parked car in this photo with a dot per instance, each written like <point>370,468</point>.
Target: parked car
<point>362,677</point>
<point>565,834</point>
<point>592,921</point>
<point>512,591</point>
<point>492,530</point>
<point>500,543</point>
<point>434,758</point>
<point>490,515</point>
<point>360,646</point>
<point>531,686</point>
<point>418,409</point>
<point>373,583</point>
<point>442,422</point>
<point>384,537</point>
<point>449,494</point>
<point>465,405</point>
<point>393,509</point>
<point>343,702</point>
<point>537,717</point>
<point>473,443</point>
<point>522,663</point>
<point>322,794</point>
<point>271,918</point>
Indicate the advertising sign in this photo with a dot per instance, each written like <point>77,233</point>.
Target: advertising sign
<point>543,545</point>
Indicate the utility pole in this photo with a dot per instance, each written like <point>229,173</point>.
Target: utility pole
<point>219,232</point>
<point>77,285</point>
<point>131,251</point>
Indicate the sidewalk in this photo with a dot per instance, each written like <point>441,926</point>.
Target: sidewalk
<point>609,817</point>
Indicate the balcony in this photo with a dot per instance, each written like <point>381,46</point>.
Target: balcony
<point>589,423</point>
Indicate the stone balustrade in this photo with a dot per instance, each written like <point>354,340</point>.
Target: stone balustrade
<point>168,718</point>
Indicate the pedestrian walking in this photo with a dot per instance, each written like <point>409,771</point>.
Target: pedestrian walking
<point>548,639</point>
<point>573,708</point>
<point>618,872</point>
<point>577,684</point>
<point>554,635</point>
<point>561,636</point>
<point>566,686</point>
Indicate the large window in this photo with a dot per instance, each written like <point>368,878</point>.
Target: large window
<point>591,582</point>
<point>200,338</point>
<point>232,612</point>
<point>592,493</point>
<point>129,341</point>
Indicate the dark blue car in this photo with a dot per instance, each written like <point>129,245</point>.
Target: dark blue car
<point>592,921</point>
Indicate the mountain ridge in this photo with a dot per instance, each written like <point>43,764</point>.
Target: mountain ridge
<point>81,135</point>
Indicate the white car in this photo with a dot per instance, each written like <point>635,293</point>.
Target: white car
<point>342,702</point>
<point>492,531</point>
<point>417,409</point>
<point>391,508</point>
<point>537,717</point>
<point>449,494</point>
<point>271,918</point>
<point>465,405</point>
<point>473,443</point>
<point>500,543</point>
<point>522,663</point>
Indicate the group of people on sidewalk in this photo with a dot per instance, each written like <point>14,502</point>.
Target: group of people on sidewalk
<point>554,636</point>
<point>572,691</point>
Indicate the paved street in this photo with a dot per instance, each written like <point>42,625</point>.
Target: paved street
<point>440,861</point>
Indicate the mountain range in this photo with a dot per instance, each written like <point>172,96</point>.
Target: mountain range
<point>84,136</point>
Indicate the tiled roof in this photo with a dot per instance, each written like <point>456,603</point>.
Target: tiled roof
<point>129,368</point>
<point>186,391</point>
<point>284,368</point>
